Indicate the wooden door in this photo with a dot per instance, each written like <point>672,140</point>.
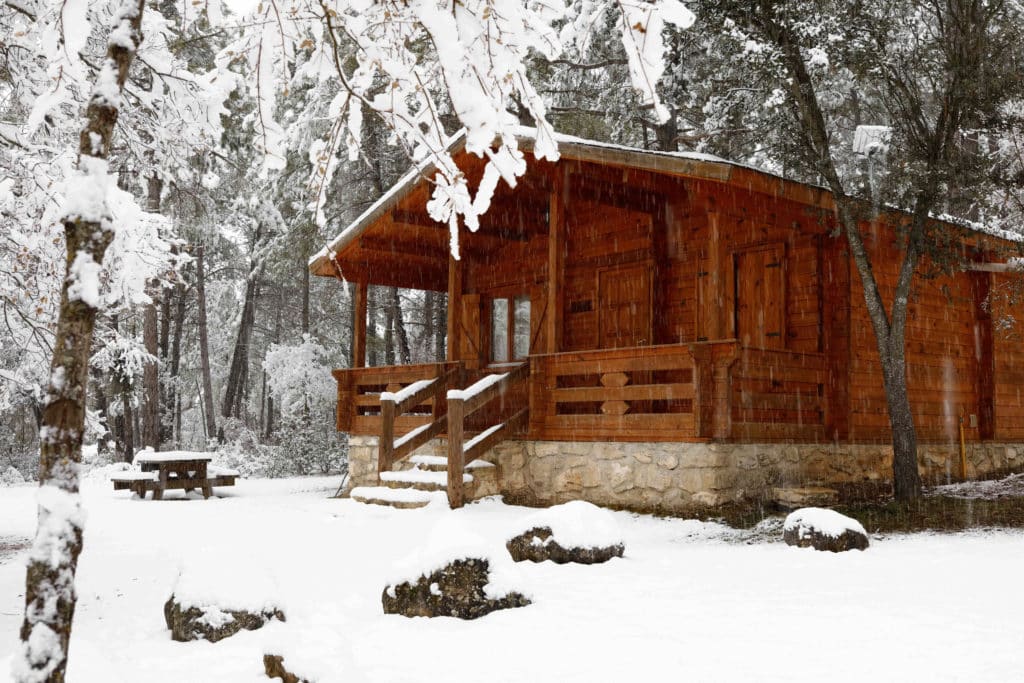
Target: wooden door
<point>624,307</point>
<point>760,297</point>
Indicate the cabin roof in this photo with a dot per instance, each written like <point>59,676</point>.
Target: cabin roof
<point>680,164</point>
<point>694,165</point>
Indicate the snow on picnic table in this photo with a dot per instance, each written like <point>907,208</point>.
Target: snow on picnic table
<point>690,601</point>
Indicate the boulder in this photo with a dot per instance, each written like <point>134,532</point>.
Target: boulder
<point>538,544</point>
<point>824,529</point>
<point>572,532</point>
<point>209,622</point>
<point>273,665</point>
<point>459,589</point>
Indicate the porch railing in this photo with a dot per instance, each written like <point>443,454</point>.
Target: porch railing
<point>394,404</point>
<point>462,403</point>
<point>359,409</point>
<point>630,394</point>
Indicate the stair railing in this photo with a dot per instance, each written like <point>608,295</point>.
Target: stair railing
<point>393,404</point>
<point>464,402</point>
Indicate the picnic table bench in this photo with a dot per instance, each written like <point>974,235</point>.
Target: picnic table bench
<point>173,470</point>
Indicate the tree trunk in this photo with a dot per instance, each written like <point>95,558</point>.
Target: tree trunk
<point>128,425</point>
<point>175,362</point>
<point>151,381</point>
<point>204,347</point>
<point>888,329</point>
<point>50,596</point>
<point>305,298</point>
<point>238,373</point>
<point>427,340</point>
<point>389,325</point>
<point>398,322</point>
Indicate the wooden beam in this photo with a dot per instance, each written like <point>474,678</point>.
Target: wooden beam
<point>556,264</point>
<point>359,326</point>
<point>981,284</point>
<point>715,326</point>
<point>455,275</point>
<point>834,273</point>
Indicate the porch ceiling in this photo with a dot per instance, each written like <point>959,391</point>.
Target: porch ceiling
<point>402,246</point>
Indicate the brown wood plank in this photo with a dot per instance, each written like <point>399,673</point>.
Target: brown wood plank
<point>634,392</point>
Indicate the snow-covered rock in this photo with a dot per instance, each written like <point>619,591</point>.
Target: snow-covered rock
<point>572,532</point>
<point>824,529</point>
<point>214,599</point>
<point>459,589</point>
<point>454,574</point>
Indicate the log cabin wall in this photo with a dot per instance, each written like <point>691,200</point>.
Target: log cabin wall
<point>1007,358</point>
<point>945,344</point>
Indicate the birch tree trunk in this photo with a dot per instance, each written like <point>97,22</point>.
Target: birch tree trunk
<point>50,596</point>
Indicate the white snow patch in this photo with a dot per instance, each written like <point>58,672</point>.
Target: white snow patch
<point>824,521</point>
<point>418,476</point>
<point>478,387</point>
<point>216,581</point>
<point>452,539</point>
<point>406,392</point>
<point>576,524</point>
<point>480,437</point>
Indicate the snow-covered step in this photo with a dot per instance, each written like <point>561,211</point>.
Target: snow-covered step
<point>439,463</point>
<point>433,463</point>
<point>424,480</point>
<point>404,498</point>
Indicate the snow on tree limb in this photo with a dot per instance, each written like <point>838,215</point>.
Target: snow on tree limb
<point>407,61</point>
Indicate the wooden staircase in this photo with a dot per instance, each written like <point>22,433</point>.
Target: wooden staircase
<point>454,474</point>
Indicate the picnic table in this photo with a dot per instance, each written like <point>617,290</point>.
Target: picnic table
<point>173,470</point>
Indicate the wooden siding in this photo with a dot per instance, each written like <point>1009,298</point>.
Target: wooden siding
<point>942,355</point>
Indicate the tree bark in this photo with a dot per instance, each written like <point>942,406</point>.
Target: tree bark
<point>401,334</point>
<point>238,372</point>
<point>175,362</point>
<point>209,418</point>
<point>50,596</point>
<point>151,380</point>
<point>389,325</point>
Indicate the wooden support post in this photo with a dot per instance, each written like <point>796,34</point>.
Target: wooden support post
<point>703,391</point>
<point>556,263</point>
<point>456,455</point>
<point>724,358</point>
<point>387,437</point>
<point>981,284</point>
<point>359,327</point>
<point>345,408</point>
<point>454,309</point>
<point>715,308</point>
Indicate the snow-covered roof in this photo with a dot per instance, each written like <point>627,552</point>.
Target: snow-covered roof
<point>692,164</point>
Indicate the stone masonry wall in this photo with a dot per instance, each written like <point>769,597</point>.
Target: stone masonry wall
<point>679,477</point>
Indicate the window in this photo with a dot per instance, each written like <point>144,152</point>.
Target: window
<point>510,328</point>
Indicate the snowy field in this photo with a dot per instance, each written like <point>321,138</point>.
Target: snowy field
<point>690,601</point>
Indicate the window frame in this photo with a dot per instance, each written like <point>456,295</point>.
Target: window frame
<point>510,296</point>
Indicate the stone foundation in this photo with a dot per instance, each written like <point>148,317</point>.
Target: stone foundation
<point>680,477</point>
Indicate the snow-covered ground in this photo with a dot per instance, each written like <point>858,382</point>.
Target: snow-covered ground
<point>690,600</point>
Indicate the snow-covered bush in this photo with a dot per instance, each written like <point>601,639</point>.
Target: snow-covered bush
<point>311,447</point>
<point>299,377</point>
<point>299,448</point>
<point>11,477</point>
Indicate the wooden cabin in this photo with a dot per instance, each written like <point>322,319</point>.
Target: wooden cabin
<point>663,331</point>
